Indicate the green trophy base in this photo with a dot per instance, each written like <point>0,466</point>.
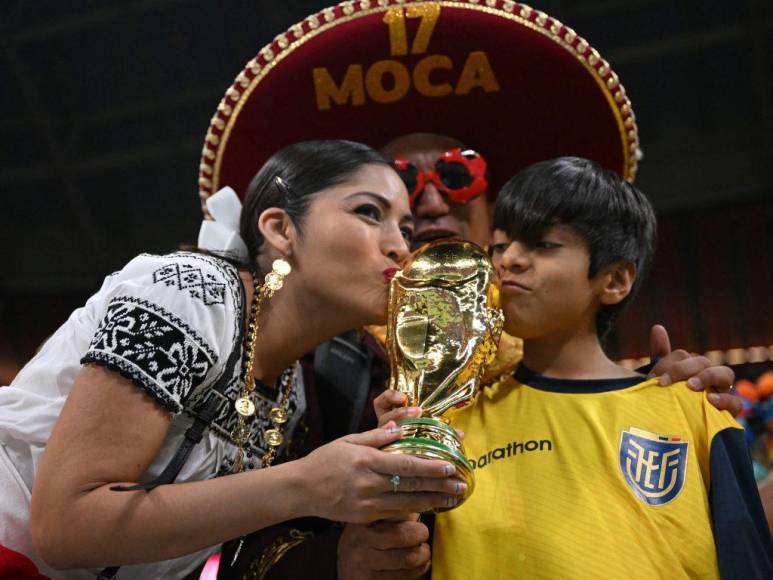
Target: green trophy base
<point>430,438</point>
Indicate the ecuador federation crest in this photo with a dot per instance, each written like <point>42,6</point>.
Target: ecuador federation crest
<point>653,466</point>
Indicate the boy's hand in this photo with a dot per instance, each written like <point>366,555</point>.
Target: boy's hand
<point>383,550</point>
<point>390,406</point>
<point>698,371</point>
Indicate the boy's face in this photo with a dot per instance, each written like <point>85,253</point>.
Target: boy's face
<point>545,287</point>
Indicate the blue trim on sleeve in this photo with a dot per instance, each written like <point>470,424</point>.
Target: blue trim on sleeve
<point>741,534</point>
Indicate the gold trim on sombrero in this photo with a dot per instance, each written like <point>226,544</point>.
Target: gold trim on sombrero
<point>273,53</point>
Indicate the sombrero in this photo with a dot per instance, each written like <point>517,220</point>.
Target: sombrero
<point>504,78</point>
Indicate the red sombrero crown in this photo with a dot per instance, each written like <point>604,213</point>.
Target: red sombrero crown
<point>500,76</point>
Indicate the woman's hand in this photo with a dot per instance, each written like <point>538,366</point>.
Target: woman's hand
<point>351,480</point>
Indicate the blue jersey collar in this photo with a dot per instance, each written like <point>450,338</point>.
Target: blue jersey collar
<point>528,377</point>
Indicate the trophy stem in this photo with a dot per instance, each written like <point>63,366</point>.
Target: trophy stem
<point>431,438</point>
<point>418,386</point>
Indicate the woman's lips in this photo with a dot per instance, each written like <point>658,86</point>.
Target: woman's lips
<point>389,273</point>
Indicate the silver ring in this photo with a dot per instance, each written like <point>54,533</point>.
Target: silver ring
<point>395,481</point>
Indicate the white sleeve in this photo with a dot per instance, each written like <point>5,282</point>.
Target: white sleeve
<point>169,324</point>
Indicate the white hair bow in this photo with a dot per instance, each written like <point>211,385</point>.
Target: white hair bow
<point>222,234</point>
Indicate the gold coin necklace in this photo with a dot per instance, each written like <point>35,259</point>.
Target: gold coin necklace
<point>244,405</point>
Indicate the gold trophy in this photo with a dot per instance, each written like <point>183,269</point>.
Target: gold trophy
<point>443,328</point>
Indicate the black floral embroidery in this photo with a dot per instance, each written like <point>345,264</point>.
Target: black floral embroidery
<point>109,346</point>
<point>201,285</point>
<point>225,419</point>
<point>154,348</point>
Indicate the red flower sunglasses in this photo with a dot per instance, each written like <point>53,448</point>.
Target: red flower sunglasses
<point>460,174</point>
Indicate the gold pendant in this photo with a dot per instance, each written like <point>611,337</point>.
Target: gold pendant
<point>273,281</point>
<point>281,267</point>
<point>245,407</point>
<point>278,416</point>
<point>240,435</point>
<point>273,437</point>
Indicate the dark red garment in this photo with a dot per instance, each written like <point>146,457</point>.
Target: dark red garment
<point>16,566</point>
<point>510,81</point>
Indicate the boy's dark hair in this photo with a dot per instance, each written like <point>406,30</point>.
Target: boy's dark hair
<point>613,217</point>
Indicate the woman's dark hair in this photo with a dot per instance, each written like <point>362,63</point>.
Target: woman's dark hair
<point>302,169</point>
<point>614,218</point>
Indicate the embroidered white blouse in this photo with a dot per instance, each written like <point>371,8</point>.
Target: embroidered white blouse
<point>167,323</point>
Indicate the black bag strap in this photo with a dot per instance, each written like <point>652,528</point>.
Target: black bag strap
<point>345,364</point>
<point>195,432</point>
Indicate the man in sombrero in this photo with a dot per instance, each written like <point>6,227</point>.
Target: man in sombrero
<point>509,82</point>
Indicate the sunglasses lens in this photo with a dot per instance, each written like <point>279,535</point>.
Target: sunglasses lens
<point>453,175</point>
<point>410,176</point>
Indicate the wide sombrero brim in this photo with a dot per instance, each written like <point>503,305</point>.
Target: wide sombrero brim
<point>503,78</point>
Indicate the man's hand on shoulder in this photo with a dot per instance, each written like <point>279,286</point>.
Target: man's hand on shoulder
<point>384,550</point>
<point>698,371</point>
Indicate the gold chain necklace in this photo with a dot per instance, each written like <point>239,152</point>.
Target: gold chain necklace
<point>244,405</point>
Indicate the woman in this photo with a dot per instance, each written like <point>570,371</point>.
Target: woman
<point>153,342</point>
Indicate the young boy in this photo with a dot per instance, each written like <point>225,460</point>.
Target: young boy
<point>585,469</point>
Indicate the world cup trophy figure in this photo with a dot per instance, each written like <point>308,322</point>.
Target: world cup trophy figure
<point>443,328</point>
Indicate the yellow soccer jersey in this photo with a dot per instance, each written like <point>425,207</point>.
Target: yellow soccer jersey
<point>601,479</point>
